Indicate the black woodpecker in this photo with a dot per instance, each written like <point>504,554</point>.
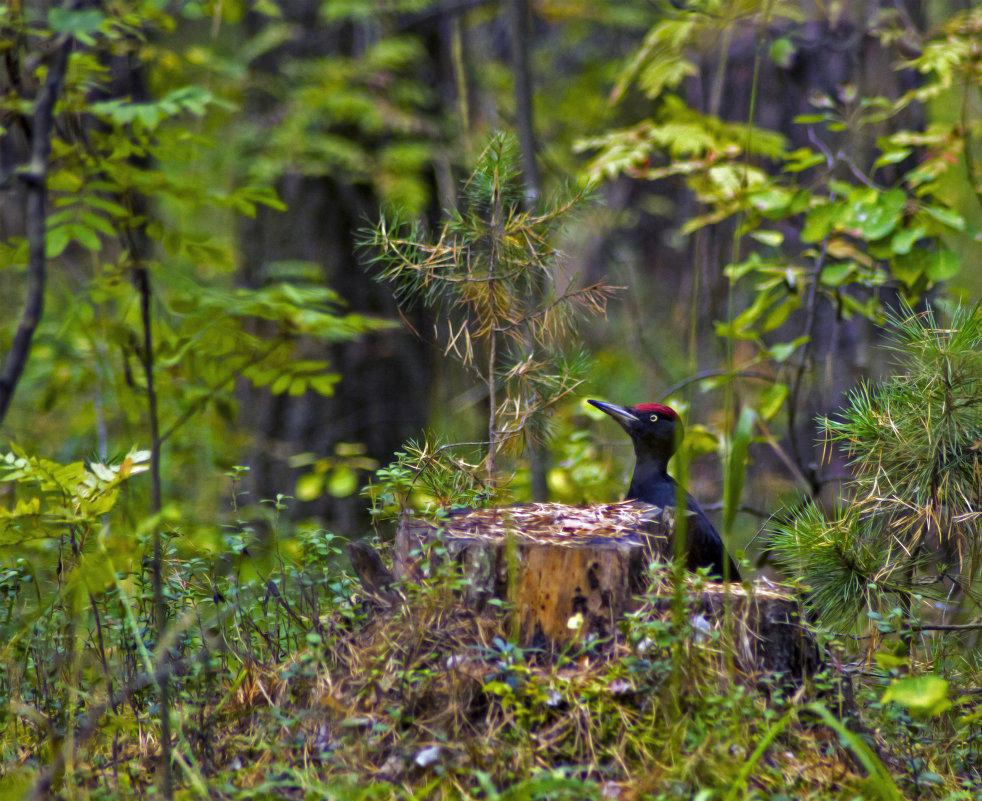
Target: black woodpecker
<point>656,432</point>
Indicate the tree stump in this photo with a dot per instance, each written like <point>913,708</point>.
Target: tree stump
<point>551,561</point>
<point>568,571</point>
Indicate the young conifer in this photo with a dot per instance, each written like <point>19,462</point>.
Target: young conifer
<point>497,288</point>
<point>908,531</point>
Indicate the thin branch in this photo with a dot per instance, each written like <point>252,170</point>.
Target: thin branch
<point>750,510</point>
<point>858,173</point>
<point>945,627</point>
<point>710,373</point>
<point>35,179</point>
<point>807,470</point>
<point>141,277</point>
<point>779,452</point>
<point>195,407</point>
<point>597,294</point>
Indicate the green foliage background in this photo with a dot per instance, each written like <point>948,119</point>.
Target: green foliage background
<point>180,127</point>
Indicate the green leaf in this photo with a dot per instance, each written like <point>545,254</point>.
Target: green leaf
<point>836,274</point>
<point>905,238</point>
<point>803,159</point>
<point>85,236</point>
<point>921,696</point>
<point>946,216</point>
<point>97,223</point>
<point>736,271</point>
<point>783,350</point>
<point>808,119</point>
<point>771,200</point>
<point>782,52</point>
<point>889,661</point>
<point>908,267</point>
<point>892,157</point>
<point>777,315</point>
<point>342,482</point>
<point>57,240</point>
<point>309,486</point>
<point>770,238</point>
<point>772,400</point>
<point>739,326</point>
<point>699,440</point>
<point>281,384</point>
<point>874,214</point>
<point>943,265</point>
<point>936,265</point>
<point>76,23</point>
<point>64,181</point>
<point>820,221</point>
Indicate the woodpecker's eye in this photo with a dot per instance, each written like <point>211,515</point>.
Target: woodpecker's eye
<point>653,418</point>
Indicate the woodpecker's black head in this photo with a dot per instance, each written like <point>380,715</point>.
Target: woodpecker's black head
<point>655,429</point>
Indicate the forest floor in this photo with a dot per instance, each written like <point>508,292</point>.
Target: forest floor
<point>304,686</point>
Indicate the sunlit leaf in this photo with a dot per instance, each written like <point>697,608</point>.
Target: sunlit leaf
<point>921,696</point>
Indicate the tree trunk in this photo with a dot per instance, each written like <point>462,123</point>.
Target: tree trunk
<point>382,399</point>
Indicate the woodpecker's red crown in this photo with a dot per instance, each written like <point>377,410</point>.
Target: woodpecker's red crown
<point>658,408</point>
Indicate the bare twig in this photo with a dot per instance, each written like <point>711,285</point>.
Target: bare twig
<point>750,510</point>
<point>807,470</point>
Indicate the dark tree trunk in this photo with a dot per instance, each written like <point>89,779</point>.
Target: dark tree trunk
<point>382,397</point>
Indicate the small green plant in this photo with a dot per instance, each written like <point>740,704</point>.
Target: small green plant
<point>426,476</point>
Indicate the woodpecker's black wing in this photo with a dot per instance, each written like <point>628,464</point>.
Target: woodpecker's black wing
<point>705,547</point>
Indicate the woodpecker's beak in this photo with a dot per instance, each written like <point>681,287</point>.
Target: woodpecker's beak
<point>622,415</point>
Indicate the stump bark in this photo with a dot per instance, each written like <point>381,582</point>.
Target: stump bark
<point>568,571</point>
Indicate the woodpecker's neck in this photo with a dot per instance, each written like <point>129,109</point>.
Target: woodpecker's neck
<point>650,471</point>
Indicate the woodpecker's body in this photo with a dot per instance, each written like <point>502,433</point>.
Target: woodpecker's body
<point>655,431</point>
